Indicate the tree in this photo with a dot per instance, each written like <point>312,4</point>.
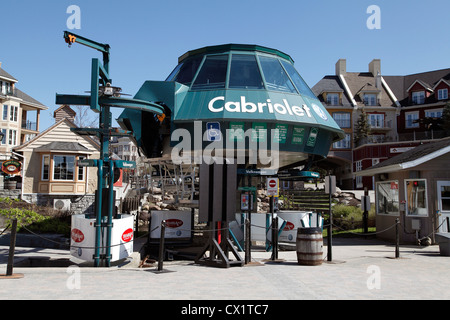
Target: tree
<point>362,128</point>
<point>446,118</point>
<point>85,118</point>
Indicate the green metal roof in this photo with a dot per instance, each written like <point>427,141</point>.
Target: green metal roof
<point>234,47</point>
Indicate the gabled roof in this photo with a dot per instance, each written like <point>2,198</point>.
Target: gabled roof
<point>447,82</point>
<point>410,158</point>
<point>422,83</point>
<point>49,129</point>
<point>6,75</point>
<point>400,84</point>
<point>365,81</point>
<point>26,99</point>
<point>330,84</point>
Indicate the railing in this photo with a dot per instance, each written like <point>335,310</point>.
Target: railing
<point>28,125</point>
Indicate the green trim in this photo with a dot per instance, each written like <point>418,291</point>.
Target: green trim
<point>235,47</point>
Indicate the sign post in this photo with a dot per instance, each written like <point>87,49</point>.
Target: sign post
<point>330,188</point>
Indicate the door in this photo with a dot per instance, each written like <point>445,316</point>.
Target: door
<point>443,191</point>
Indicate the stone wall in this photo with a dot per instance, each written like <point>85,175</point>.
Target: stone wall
<point>80,204</point>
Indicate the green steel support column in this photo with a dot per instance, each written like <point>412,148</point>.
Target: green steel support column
<point>110,212</point>
<point>98,226</point>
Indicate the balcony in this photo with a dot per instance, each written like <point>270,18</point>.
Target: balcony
<point>423,135</point>
<point>28,125</point>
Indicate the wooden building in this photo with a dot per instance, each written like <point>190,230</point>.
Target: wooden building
<point>415,188</point>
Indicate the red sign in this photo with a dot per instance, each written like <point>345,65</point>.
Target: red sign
<point>394,185</point>
<point>11,166</point>
<point>289,226</point>
<point>127,236</point>
<point>173,223</point>
<point>272,183</point>
<point>77,235</point>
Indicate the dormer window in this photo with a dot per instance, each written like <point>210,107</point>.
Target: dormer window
<point>333,99</point>
<point>443,94</point>
<point>370,99</point>
<point>418,97</point>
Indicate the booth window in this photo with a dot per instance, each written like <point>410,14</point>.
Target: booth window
<point>416,197</point>
<point>63,168</point>
<point>387,198</point>
<point>244,72</point>
<point>212,74</point>
<point>445,197</point>
<point>275,76</point>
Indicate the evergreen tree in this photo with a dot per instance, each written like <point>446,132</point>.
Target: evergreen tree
<point>362,128</point>
<point>446,118</point>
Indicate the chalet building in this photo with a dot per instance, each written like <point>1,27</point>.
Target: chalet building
<point>51,174</point>
<point>402,112</point>
<point>19,115</point>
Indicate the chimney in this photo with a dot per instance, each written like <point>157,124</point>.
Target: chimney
<point>341,67</point>
<point>375,67</point>
<point>0,64</point>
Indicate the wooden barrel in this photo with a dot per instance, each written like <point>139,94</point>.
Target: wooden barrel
<point>309,246</point>
<point>10,184</point>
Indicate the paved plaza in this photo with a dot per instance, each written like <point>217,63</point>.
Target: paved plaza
<point>361,269</point>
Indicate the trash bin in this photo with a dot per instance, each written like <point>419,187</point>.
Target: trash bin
<point>309,246</point>
<point>444,243</point>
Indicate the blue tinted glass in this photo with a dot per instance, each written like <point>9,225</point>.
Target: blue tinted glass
<point>213,73</point>
<point>298,81</point>
<point>244,72</point>
<point>187,71</point>
<point>275,76</point>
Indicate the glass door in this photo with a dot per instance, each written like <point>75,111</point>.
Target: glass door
<point>443,191</point>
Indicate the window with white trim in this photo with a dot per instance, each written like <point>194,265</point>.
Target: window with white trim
<point>333,99</point>
<point>376,120</point>
<point>14,110</point>
<point>434,113</point>
<point>63,168</point>
<point>416,197</point>
<point>443,94</point>
<point>12,137</point>
<point>5,112</point>
<point>418,97</point>
<point>45,173</point>
<point>409,119</point>
<point>387,200</point>
<point>81,170</point>
<point>370,99</point>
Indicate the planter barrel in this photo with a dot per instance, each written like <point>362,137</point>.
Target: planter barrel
<point>309,246</point>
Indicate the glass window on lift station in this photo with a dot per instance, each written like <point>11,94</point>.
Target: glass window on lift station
<point>246,71</point>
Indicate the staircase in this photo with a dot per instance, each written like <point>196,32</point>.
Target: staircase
<point>317,201</point>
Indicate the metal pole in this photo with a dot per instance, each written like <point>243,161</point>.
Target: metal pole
<point>110,213</point>
<point>247,241</point>
<point>98,226</point>
<point>397,238</point>
<point>161,245</point>
<point>12,248</point>
<point>366,212</point>
<point>448,224</point>
<point>330,227</point>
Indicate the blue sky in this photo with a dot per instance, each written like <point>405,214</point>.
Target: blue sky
<point>147,37</point>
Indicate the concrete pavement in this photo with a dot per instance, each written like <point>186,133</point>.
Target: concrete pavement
<point>361,269</point>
